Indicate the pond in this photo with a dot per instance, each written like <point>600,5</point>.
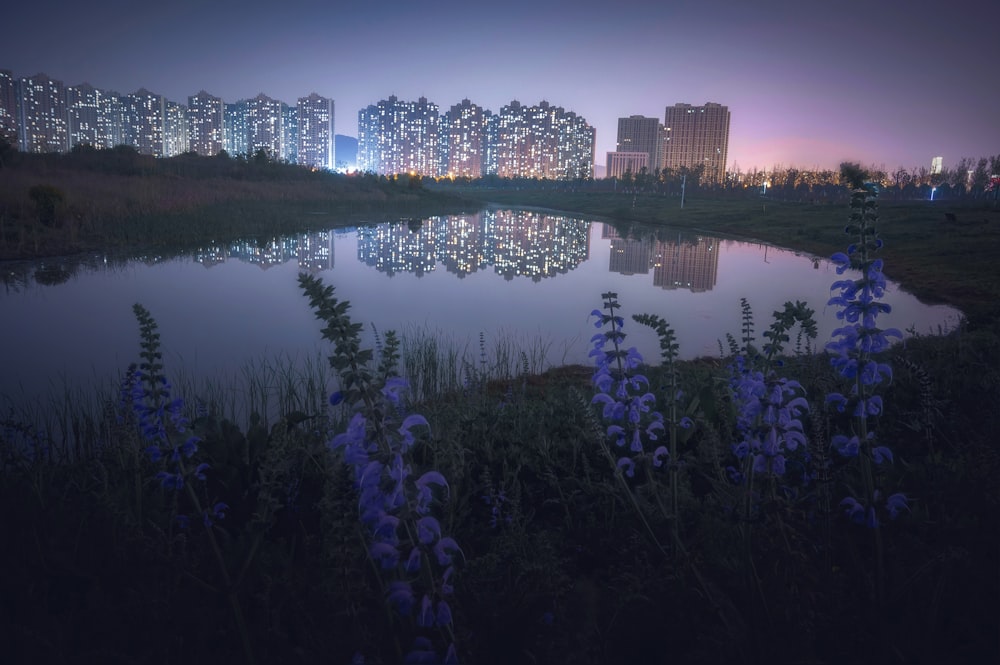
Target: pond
<point>524,280</point>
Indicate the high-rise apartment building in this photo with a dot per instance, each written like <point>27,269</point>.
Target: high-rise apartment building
<point>8,107</point>
<point>638,133</point>
<point>264,127</point>
<point>543,141</point>
<point>697,137</point>
<point>399,137</point>
<point>91,117</point>
<point>289,134</point>
<point>41,114</point>
<point>577,142</point>
<point>205,124</point>
<point>144,114</point>
<point>235,130</point>
<point>466,138</point>
<point>621,163</point>
<point>175,129</point>
<point>316,147</point>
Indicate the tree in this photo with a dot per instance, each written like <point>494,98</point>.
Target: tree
<point>46,198</point>
<point>6,149</point>
<point>852,175</point>
<point>980,177</point>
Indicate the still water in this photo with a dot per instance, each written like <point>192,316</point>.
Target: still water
<point>526,276</point>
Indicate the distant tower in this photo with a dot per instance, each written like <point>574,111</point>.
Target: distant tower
<point>638,133</point>
<point>8,107</point>
<point>205,124</point>
<point>696,136</point>
<point>42,114</point>
<point>316,135</point>
<point>465,128</point>
<point>399,137</point>
<point>175,129</point>
<point>144,113</point>
<point>937,164</point>
<point>264,127</point>
<point>84,113</point>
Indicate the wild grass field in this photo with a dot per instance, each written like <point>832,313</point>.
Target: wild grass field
<point>411,504</point>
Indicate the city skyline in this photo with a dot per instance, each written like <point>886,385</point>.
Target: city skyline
<point>806,87</point>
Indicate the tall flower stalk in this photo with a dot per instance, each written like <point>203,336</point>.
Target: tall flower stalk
<point>172,445</point>
<point>856,348</point>
<point>633,425</point>
<point>411,554</point>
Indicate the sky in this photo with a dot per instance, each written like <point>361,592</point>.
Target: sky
<point>808,85</point>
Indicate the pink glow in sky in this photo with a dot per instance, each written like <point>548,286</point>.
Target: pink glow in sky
<point>807,85</point>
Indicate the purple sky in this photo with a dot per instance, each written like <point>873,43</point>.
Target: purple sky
<point>883,83</point>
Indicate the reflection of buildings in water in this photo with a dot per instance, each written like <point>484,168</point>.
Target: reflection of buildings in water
<point>276,252</point>
<point>630,256</point>
<point>315,251</point>
<point>312,251</point>
<point>682,263</point>
<point>392,248</point>
<point>687,265</point>
<point>536,245</point>
<point>210,256</point>
<point>463,244</point>
<point>516,244</point>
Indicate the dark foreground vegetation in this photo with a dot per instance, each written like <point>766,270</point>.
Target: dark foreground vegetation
<point>764,506</point>
<point>115,200</point>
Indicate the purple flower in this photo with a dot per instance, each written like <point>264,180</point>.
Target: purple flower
<point>428,530</point>
<point>443,613</point>
<point>401,596</point>
<point>881,454</point>
<point>444,549</point>
<point>628,465</point>
<point>410,422</point>
<point>425,617</point>
<point>895,503</point>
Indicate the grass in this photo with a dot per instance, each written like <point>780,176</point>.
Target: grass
<point>940,260</point>
<point>564,557</point>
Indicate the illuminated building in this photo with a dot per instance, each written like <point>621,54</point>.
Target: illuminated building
<point>264,127</point>
<point>205,124</point>
<point>41,112</point>
<point>543,141</point>
<point>638,133</point>
<point>399,137</point>
<point>90,116</point>
<point>175,129</point>
<point>697,137</point>
<point>289,134</point>
<point>937,165</point>
<point>8,107</point>
<point>315,132</point>
<point>620,163</point>
<point>144,115</point>
<point>465,131</point>
<point>235,133</point>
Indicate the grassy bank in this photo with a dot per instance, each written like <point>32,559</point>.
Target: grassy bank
<point>503,514</point>
<point>942,252</point>
<point>57,205</point>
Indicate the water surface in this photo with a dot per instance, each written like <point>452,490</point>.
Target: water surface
<point>525,276</point>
